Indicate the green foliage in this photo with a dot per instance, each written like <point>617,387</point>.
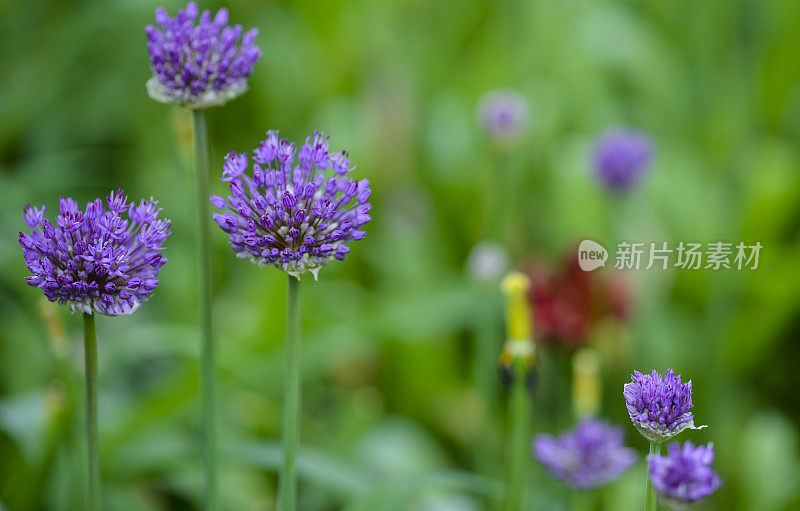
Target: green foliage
<point>391,418</point>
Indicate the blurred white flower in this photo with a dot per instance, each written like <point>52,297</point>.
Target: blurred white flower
<point>487,262</point>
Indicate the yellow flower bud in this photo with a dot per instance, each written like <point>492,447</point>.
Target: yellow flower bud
<point>518,315</point>
<point>586,382</point>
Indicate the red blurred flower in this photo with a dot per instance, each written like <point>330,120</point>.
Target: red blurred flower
<point>567,302</point>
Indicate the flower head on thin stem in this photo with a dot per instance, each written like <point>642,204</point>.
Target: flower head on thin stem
<point>684,475</point>
<point>103,260</point>
<point>620,158</point>
<point>503,114</point>
<point>519,352</point>
<point>298,210</point>
<point>659,406</point>
<point>198,61</point>
<point>589,456</point>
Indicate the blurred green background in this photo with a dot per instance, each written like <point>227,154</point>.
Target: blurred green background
<point>391,418</point>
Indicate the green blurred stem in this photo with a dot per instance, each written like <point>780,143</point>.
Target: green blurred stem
<point>487,345</point>
<point>650,498</point>
<point>93,455</point>
<point>502,196</point>
<point>484,369</point>
<point>207,352</point>
<point>583,500</point>
<point>519,450</point>
<point>291,398</point>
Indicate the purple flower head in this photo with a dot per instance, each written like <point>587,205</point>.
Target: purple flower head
<point>684,475</point>
<point>589,456</point>
<point>96,260</point>
<point>287,211</point>
<point>659,406</point>
<point>503,114</point>
<point>198,61</point>
<point>620,158</point>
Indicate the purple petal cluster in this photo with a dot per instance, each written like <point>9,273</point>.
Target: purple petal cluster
<point>659,406</point>
<point>503,114</point>
<point>295,209</point>
<point>589,456</point>
<point>98,259</point>
<point>685,474</point>
<point>620,158</point>
<point>199,64</point>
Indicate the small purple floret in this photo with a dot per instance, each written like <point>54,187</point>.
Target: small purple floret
<point>198,61</point>
<point>503,114</point>
<point>97,260</point>
<point>289,212</point>
<point>620,158</point>
<point>685,474</point>
<point>659,406</point>
<point>589,456</point>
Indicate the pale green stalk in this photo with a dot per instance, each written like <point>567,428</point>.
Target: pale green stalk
<point>485,353</point>
<point>651,499</point>
<point>287,499</point>
<point>207,352</point>
<point>93,454</point>
<point>519,442</point>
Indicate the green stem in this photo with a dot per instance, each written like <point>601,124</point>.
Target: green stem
<point>291,398</point>
<point>486,347</point>
<point>651,499</point>
<point>485,351</point>
<point>207,353</point>
<point>519,448</point>
<point>503,191</point>
<point>93,455</point>
<point>583,500</point>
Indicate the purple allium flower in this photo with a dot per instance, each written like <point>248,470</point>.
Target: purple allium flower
<point>503,114</point>
<point>199,65</point>
<point>685,474</point>
<point>659,406</point>
<point>289,212</point>
<point>96,259</point>
<point>591,455</point>
<point>620,158</point>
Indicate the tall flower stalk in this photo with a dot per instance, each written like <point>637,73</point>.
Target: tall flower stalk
<point>285,210</point>
<point>520,413</point>
<point>208,357</point>
<point>486,265</point>
<point>291,393</point>
<point>92,451</point>
<point>518,357</point>
<point>96,261</point>
<point>503,116</point>
<point>198,62</point>
<point>650,497</point>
